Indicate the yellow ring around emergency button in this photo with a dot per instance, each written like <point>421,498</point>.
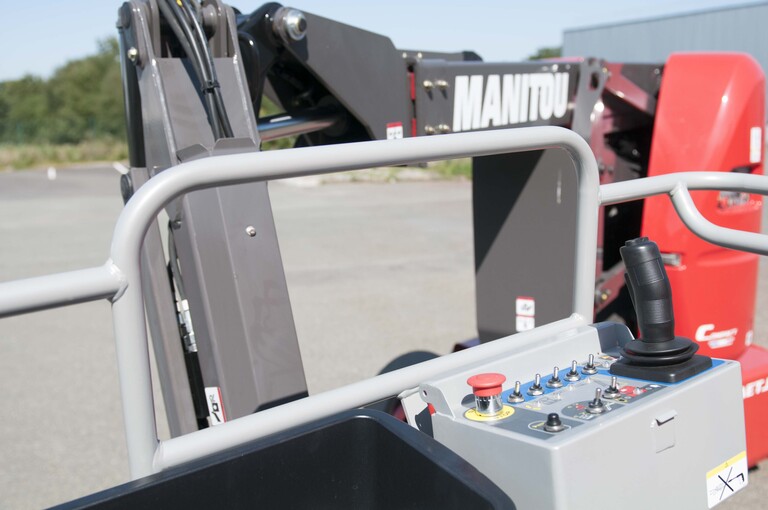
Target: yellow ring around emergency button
<point>505,412</point>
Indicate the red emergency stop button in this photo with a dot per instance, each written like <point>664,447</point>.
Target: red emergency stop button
<point>486,385</point>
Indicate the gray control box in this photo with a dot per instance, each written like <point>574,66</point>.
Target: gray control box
<point>614,443</point>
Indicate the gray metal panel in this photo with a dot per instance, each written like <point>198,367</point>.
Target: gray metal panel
<point>185,106</point>
<point>186,113</point>
<point>363,70</point>
<point>525,225</point>
<point>239,298</point>
<point>240,303</point>
<point>239,108</point>
<point>740,28</point>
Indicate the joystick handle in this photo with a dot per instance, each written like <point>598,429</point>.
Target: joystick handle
<point>649,289</point>
<point>658,355</point>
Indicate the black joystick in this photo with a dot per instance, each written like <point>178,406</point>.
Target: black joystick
<point>658,355</point>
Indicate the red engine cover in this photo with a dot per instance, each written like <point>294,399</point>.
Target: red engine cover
<point>754,373</point>
<point>709,117</point>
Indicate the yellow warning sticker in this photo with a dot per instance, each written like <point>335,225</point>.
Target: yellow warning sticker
<point>505,412</point>
<point>727,479</point>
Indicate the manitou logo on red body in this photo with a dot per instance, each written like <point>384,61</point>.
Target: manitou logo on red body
<point>508,99</point>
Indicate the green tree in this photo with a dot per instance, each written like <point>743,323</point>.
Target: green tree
<point>82,100</point>
<point>86,97</point>
<point>24,105</point>
<point>550,52</point>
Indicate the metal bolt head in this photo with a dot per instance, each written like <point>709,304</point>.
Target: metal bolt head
<point>291,23</point>
<point>296,24</point>
<point>132,54</point>
<point>441,84</point>
<point>428,85</point>
<point>444,128</point>
<point>429,130</point>
<point>250,230</point>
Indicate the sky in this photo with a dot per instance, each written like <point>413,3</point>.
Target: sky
<point>37,37</point>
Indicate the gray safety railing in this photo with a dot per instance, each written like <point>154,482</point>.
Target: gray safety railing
<point>119,278</point>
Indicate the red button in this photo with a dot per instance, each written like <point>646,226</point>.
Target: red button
<point>486,385</point>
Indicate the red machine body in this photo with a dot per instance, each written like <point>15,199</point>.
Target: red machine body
<point>710,117</point>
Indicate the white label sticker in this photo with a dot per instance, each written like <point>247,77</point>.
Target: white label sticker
<point>727,479</point>
<point>216,413</point>
<point>525,306</point>
<point>394,130</point>
<point>524,323</point>
<point>755,144</point>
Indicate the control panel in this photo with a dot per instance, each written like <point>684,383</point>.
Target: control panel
<point>592,417</point>
<point>582,437</point>
<point>558,402</point>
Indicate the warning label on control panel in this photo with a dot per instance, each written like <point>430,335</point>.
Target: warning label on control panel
<point>727,479</point>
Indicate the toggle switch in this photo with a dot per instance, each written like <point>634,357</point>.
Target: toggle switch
<point>573,375</point>
<point>536,389</point>
<point>612,391</point>
<point>516,396</point>
<point>555,381</point>
<point>487,390</point>
<point>589,368</point>
<point>597,406</point>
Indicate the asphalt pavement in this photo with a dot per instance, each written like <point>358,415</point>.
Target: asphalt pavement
<point>374,270</point>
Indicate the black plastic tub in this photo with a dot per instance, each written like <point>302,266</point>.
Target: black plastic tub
<point>356,459</point>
